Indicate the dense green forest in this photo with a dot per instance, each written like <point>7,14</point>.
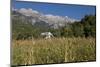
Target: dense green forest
<point>23,29</point>
<point>85,28</point>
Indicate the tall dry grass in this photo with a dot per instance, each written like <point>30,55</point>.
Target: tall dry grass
<point>55,50</point>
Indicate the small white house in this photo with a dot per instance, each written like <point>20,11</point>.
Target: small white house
<point>47,35</point>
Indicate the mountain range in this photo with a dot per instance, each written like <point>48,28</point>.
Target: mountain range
<point>39,19</point>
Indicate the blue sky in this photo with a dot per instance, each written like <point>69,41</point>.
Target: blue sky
<point>73,11</point>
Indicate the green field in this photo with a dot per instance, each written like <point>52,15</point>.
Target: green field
<point>54,50</point>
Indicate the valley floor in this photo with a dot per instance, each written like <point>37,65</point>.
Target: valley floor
<point>54,50</point>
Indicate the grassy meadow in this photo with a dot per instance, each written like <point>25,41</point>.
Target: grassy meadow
<point>54,50</point>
